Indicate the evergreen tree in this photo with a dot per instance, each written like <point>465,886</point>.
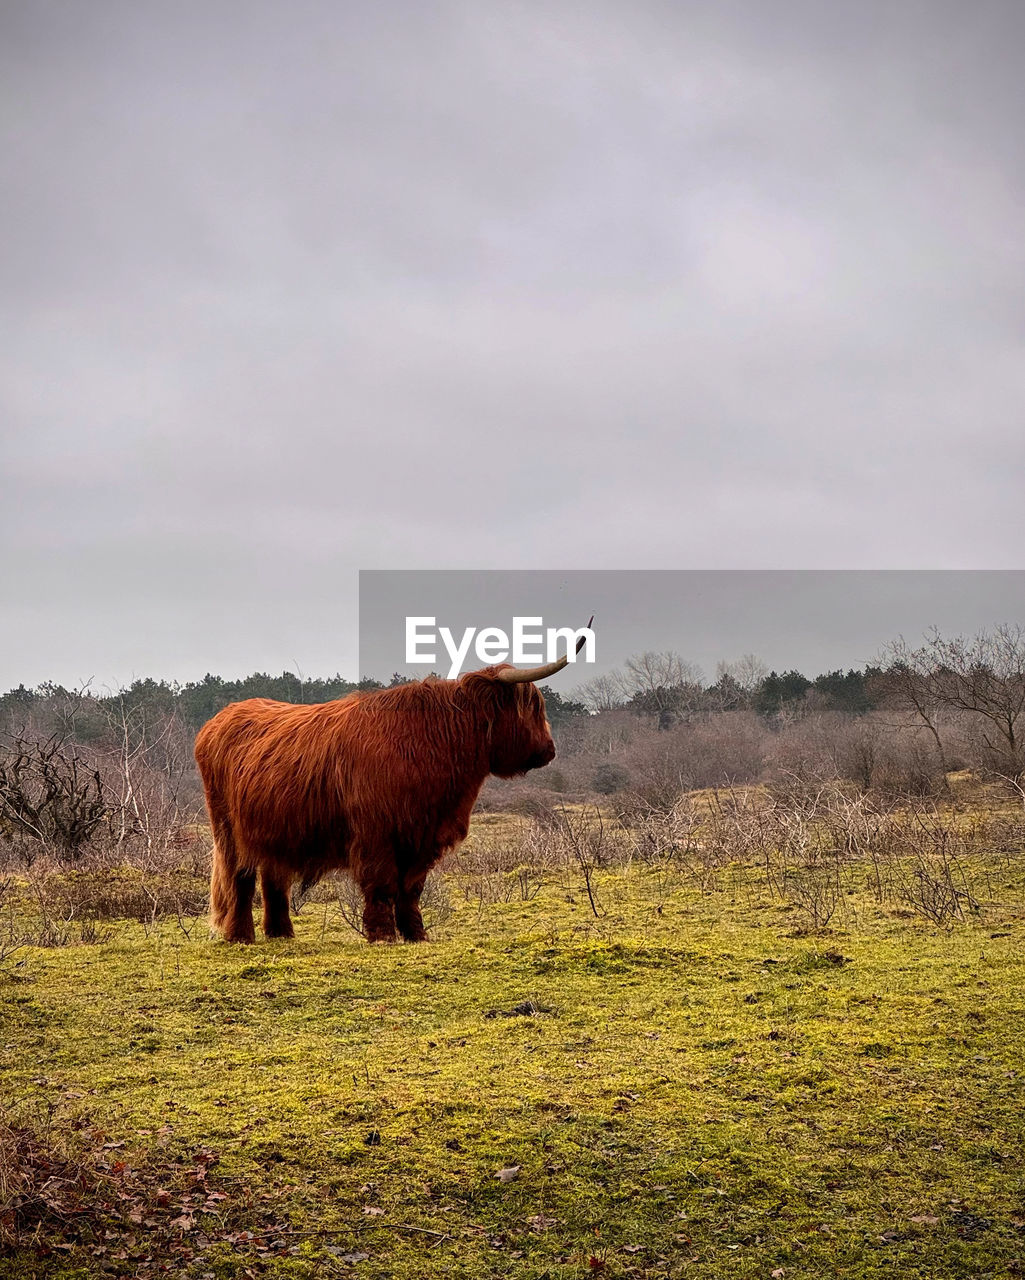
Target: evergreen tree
<point>777,691</point>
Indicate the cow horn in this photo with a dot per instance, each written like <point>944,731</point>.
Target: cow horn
<point>511,675</point>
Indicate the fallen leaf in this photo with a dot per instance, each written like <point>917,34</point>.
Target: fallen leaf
<point>507,1175</point>
<point>925,1219</point>
<point>541,1222</point>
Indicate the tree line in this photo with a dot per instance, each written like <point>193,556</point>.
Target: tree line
<point>657,689</point>
<point>982,677</point>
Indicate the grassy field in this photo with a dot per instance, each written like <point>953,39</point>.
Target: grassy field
<point>683,1084</point>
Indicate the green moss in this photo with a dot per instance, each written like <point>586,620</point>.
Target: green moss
<point>698,1090</point>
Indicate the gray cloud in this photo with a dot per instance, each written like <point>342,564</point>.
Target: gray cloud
<point>289,290</point>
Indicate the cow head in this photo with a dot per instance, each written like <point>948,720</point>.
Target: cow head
<point>520,737</point>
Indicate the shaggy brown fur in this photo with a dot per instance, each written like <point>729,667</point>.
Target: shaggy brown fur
<point>380,783</point>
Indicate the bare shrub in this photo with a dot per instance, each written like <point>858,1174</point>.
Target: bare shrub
<point>513,861</point>
<point>812,750</point>
<point>660,833</point>
<point>150,773</point>
<point>803,837</point>
<point>920,860</point>
<point>556,780</point>
<point>659,768</point>
<point>1002,835</point>
<point>919,853</point>
<point>58,906</point>
<point>669,843</point>
<point>608,778</point>
<point>724,749</point>
<point>541,845</point>
<point>856,749</point>
<point>435,902</point>
<point>10,937</point>
<point>50,798</point>
<point>709,751</point>
<point>584,837</point>
<point>347,898</point>
<point>128,796</point>
<point>906,764</point>
<point>539,807</point>
<point>349,901</point>
<point>119,810</point>
<point>817,890</point>
<point>935,888</point>
<point>524,797</point>
<point>1016,786</point>
<point>735,828</point>
<point>891,754</point>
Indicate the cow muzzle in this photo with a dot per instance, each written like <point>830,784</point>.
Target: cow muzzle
<point>540,758</point>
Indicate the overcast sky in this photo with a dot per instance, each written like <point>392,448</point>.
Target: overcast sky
<point>294,289</point>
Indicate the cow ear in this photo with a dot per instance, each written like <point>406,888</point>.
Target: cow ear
<point>486,689</point>
<point>484,676</point>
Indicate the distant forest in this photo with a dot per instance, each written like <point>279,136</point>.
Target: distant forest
<point>665,693</point>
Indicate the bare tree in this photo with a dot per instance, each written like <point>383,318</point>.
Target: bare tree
<point>748,671</point>
<point>603,693</point>
<point>736,683</point>
<point>981,678</point>
<point>650,671</point>
<point>663,684</point>
<point>148,762</point>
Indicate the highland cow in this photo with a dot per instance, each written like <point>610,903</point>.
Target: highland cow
<point>381,784</point>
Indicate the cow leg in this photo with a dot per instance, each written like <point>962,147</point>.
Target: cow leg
<point>407,908</point>
<point>378,907</point>
<point>221,874</point>
<point>223,861</point>
<point>379,914</point>
<point>237,923</point>
<point>231,889</point>
<point>274,886</point>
